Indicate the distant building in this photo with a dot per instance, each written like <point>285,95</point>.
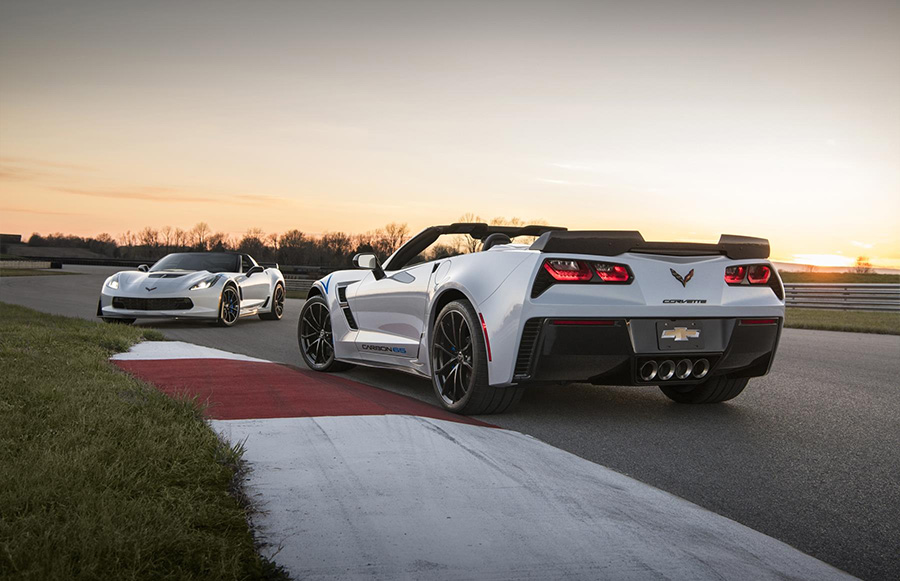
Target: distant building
<point>10,238</point>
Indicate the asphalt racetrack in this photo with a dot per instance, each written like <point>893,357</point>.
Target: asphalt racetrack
<point>809,454</point>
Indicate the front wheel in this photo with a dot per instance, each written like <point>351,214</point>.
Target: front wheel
<point>315,339</point>
<point>715,390</point>
<point>277,310</point>
<point>229,307</point>
<point>459,369</point>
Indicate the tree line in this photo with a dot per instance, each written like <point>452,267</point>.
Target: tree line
<point>293,247</point>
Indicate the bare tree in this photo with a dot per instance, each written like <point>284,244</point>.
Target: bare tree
<point>199,233</point>
<point>862,266</point>
<point>166,233</point>
<point>395,235</point>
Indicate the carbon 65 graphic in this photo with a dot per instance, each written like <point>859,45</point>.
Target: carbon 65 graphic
<point>605,307</point>
<point>218,286</point>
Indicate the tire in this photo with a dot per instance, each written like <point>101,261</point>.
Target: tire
<point>277,310</point>
<point>315,339</point>
<point>229,306</point>
<point>715,390</point>
<point>459,365</point>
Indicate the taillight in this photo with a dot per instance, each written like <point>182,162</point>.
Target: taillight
<point>609,272</point>
<point>735,274</point>
<point>759,274</point>
<point>568,270</point>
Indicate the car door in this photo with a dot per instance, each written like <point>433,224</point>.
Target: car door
<point>254,288</point>
<point>391,312</point>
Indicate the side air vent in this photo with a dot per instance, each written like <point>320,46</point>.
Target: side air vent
<point>350,320</point>
<point>530,335</point>
<point>348,314</point>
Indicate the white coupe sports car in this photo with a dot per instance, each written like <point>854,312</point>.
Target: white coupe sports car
<point>604,307</point>
<point>219,286</point>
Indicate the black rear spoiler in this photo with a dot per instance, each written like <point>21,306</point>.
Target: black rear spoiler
<point>613,243</point>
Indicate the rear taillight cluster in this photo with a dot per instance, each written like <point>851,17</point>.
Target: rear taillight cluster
<point>748,274</point>
<point>583,271</point>
<point>566,270</point>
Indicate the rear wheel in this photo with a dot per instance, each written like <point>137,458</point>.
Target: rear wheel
<point>715,390</point>
<point>277,310</point>
<point>459,365</point>
<point>229,307</point>
<point>315,338</point>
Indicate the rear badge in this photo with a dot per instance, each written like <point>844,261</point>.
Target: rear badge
<point>683,280</point>
<point>679,335</point>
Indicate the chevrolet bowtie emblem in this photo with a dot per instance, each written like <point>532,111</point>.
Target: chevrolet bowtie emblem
<point>679,278</point>
<point>150,288</point>
<point>681,333</point>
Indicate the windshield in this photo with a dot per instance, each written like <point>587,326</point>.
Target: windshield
<point>211,261</point>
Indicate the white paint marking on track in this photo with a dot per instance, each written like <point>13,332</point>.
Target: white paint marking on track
<point>155,350</point>
<point>391,497</point>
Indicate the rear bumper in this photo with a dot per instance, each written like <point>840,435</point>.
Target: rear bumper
<point>612,351</point>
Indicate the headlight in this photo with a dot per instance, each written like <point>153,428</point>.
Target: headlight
<point>206,283</point>
<point>113,282</point>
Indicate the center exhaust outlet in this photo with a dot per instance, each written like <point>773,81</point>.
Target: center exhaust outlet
<point>683,369</point>
<point>649,370</point>
<point>666,369</point>
<point>701,368</point>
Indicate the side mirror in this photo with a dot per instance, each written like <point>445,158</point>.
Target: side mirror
<point>369,261</point>
<point>144,268</point>
<point>254,269</point>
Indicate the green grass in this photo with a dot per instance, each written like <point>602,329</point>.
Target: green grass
<point>834,320</point>
<point>29,272</point>
<point>102,476</point>
<point>839,277</point>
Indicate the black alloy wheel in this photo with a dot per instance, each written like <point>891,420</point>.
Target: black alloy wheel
<point>459,364</point>
<point>230,307</point>
<point>277,309</point>
<point>453,357</point>
<point>315,337</point>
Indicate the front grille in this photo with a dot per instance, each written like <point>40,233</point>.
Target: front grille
<point>530,335</point>
<point>133,304</point>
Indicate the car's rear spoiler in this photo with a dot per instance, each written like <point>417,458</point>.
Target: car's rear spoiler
<point>613,243</point>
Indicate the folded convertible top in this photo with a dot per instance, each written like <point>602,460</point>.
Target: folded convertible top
<point>613,243</point>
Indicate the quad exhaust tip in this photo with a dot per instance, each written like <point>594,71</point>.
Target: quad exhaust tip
<point>669,369</point>
<point>649,370</point>
<point>666,369</point>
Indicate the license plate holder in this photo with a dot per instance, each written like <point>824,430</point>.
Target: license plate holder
<point>680,335</point>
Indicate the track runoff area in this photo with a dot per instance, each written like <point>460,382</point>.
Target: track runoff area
<point>355,482</point>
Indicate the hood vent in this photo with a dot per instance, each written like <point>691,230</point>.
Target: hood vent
<point>167,275</point>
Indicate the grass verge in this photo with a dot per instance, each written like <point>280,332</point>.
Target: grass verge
<point>104,477</point>
<point>4,272</point>
<point>834,320</point>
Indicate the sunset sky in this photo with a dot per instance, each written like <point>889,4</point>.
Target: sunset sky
<point>681,119</point>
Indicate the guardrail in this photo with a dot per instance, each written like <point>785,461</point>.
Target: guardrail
<point>852,297</point>
<point>298,284</point>
<point>24,264</point>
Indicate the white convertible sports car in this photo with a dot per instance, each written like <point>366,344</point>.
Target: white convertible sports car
<point>605,307</point>
<point>218,286</point>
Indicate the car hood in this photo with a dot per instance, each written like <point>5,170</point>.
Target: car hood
<point>136,282</point>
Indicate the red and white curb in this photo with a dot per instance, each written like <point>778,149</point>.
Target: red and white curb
<point>356,482</point>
